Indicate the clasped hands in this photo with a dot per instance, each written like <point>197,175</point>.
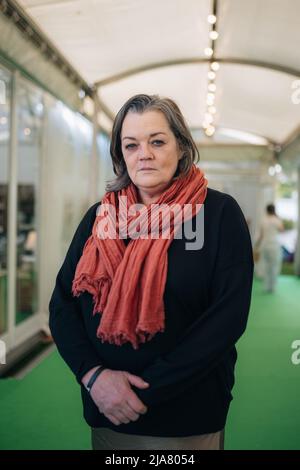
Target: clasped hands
<point>114,397</point>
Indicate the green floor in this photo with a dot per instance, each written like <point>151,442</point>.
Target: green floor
<point>265,412</point>
<point>43,411</point>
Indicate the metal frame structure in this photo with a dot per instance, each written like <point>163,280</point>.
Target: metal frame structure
<point>12,10</point>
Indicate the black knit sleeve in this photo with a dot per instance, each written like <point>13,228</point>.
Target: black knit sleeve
<point>65,321</point>
<point>208,339</point>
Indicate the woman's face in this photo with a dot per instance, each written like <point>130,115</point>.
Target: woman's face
<point>150,150</point>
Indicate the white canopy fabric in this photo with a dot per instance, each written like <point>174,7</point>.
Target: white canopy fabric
<point>132,46</point>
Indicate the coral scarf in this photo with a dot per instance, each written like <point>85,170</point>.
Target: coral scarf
<point>127,282</point>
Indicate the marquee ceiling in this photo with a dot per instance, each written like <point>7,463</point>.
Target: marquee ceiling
<point>133,46</point>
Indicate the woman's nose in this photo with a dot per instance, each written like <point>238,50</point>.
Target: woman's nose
<point>145,151</point>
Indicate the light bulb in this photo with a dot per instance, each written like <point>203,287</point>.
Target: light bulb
<point>209,131</point>
<point>215,66</point>
<point>211,19</point>
<point>208,51</point>
<point>213,35</point>
<point>212,87</point>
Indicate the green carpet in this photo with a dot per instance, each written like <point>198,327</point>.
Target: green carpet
<point>43,411</point>
<point>265,412</point>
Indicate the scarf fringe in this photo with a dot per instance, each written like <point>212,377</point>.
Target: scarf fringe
<point>98,288</point>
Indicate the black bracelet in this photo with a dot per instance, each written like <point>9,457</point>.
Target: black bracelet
<point>94,377</point>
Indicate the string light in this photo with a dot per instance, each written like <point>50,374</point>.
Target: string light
<point>215,66</point>
<point>211,19</point>
<point>208,122</point>
<point>213,35</point>
<point>209,131</point>
<point>208,51</point>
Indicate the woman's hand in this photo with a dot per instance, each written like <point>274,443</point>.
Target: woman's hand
<point>115,398</point>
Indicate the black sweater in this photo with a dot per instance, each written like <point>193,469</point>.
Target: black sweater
<point>190,366</point>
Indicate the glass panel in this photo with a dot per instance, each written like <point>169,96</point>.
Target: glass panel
<point>30,117</point>
<point>68,164</point>
<point>4,152</point>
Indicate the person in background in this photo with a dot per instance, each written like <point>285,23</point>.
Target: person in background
<point>148,324</point>
<point>269,248</point>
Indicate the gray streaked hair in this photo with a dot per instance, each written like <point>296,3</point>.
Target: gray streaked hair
<point>140,104</point>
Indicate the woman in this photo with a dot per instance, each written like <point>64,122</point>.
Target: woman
<point>269,248</point>
<point>152,304</point>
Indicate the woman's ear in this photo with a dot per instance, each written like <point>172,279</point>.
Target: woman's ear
<point>180,150</point>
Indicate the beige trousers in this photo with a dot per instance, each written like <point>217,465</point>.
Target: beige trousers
<point>106,439</point>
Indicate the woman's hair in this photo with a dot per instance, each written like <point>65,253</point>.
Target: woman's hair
<point>270,209</point>
<point>140,104</point>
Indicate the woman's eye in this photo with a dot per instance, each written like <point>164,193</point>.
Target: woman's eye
<point>130,146</point>
<point>156,143</point>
